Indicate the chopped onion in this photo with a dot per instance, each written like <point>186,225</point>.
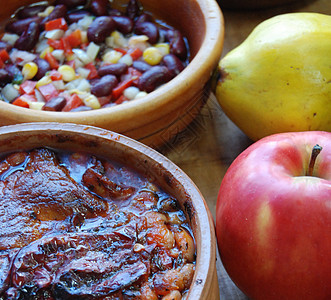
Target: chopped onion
<point>10,38</point>
<point>83,72</point>
<point>126,59</point>
<point>9,92</point>
<point>22,57</point>
<point>39,96</point>
<point>58,84</point>
<point>85,22</point>
<point>55,34</point>
<point>58,55</point>
<point>82,56</point>
<point>92,51</point>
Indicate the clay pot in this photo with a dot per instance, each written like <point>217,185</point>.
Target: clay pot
<point>163,113</point>
<point>150,163</point>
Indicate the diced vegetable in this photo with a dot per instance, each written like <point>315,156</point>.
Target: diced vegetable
<point>152,56</point>
<point>29,70</point>
<point>9,92</point>
<point>73,102</point>
<point>67,72</point>
<point>59,23</point>
<point>118,90</point>
<point>48,91</point>
<point>4,55</point>
<point>20,102</point>
<point>28,87</point>
<point>52,61</point>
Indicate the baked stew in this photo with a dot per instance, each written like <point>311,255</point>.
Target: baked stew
<point>74,226</point>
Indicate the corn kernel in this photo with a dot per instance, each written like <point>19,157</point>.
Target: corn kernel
<point>92,101</point>
<point>152,56</point>
<point>45,51</point>
<point>29,70</point>
<point>164,48</point>
<point>67,72</point>
<point>43,81</point>
<point>112,57</point>
<point>46,12</point>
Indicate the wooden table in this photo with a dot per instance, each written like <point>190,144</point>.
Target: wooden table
<point>209,145</point>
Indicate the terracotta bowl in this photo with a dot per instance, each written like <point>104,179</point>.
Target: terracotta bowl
<point>149,163</point>
<point>163,113</point>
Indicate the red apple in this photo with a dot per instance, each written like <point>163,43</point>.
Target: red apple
<point>273,218</point>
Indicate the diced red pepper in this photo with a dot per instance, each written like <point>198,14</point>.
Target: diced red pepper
<point>52,61</point>
<point>56,44</point>
<point>73,102</point>
<point>48,91</point>
<point>123,51</point>
<point>134,74</point>
<point>104,100</point>
<point>2,64</point>
<point>29,98</point>
<point>28,87</point>
<point>74,39</point>
<point>121,99</point>
<point>55,75</point>
<point>4,55</point>
<point>20,102</point>
<point>118,90</point>
<point>135,53</point>
<point>59,23</point>
<point>93,71</point>
<point>66,46</point>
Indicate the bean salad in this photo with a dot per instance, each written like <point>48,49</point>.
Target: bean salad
<point>80,55</point>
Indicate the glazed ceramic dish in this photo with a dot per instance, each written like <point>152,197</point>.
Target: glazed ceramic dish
<point>160,115</point>
<point>151,164</point>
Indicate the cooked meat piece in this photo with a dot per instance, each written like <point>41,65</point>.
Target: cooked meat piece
<point>37,194</point>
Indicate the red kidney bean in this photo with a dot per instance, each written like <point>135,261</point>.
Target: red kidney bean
<point>144,17</point>
<point>113,69</point>
<point>71,3</point>
<point>103,86</point>
<point>100,29</point>
<point>19,26</point>
<point>59,11</point>
<point>5,77</point>
<point>30,11</point>
<point>114,12</point>
<point>55,104</point>
<point>12,70</point>
<point>177,44</point>
<point>141,66</point>
<point>29,37</point>
<point>43,68</point>
<point>133,9</point>
<point>123,24</point>
<point>99,7</point>
<point>75,16</point>
<point>149,29</point>
<point>152,78</point>
<point>173,63</point>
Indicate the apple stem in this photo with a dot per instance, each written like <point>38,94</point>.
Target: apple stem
<point>314,153</point>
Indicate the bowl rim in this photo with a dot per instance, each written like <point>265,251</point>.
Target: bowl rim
<point>201,63</point>
<point>205,233</point>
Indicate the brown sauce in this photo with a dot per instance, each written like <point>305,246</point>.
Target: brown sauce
<point>73,226</point>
